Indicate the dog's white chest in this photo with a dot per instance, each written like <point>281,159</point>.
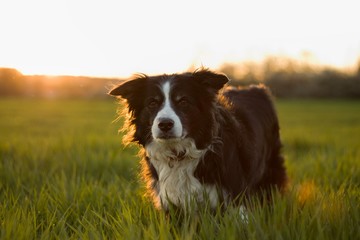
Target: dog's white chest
<point>177,183</point>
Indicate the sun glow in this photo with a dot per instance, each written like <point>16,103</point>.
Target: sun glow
<point>113,38</point>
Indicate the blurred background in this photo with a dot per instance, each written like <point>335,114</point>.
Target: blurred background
<point>78,48</point>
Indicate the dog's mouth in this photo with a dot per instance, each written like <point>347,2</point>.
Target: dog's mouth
<point>166,137</point>
<point>169,138</point>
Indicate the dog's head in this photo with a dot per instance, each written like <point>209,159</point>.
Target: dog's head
<point>169,108</point>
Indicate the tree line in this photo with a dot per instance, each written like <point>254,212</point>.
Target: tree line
<point>287,78</point>
<point>15,84</point>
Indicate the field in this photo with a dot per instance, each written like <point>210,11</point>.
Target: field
<point>65,175</point>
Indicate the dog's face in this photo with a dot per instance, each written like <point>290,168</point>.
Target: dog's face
<point>172,107</point>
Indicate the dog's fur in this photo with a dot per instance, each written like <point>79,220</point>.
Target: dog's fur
<point>200,141</point>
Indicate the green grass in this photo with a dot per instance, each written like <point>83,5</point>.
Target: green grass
<point>65,175</point>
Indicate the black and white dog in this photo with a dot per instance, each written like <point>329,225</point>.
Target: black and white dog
<point>201,142</point>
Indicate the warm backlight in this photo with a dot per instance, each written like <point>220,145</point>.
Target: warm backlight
<point>118,38</point>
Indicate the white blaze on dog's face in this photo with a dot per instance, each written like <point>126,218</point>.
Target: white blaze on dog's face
<point>167,124</point>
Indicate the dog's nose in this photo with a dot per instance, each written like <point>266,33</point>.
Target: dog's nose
<point>165,124</point>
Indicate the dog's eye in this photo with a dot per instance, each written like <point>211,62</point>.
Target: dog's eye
<point>183,102</point>
<point>153,103</point>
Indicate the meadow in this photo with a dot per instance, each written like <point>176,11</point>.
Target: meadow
<point>64,174</point>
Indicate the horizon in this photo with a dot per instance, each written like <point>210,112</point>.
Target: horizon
<point>115,40</point>
<point>280,64</point>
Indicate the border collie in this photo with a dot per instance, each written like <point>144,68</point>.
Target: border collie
<point>200,141</point>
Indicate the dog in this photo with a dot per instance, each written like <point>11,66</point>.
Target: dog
<point>201,141</point>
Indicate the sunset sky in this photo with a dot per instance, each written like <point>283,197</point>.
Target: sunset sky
<point>116,38</point>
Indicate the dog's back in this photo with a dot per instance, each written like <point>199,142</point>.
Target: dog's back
<point>259,133</point>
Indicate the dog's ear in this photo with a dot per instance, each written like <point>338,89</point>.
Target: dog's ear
<point>129,89</point>
<point>132,91</point>
<point>214,81</point>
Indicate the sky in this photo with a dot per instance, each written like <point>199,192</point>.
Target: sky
<point>115,38</point>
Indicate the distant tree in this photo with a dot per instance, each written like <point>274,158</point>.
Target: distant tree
<point>11,82</point>
<point>289,78</point>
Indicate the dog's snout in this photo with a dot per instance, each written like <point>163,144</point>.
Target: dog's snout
<point>166,124</point>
